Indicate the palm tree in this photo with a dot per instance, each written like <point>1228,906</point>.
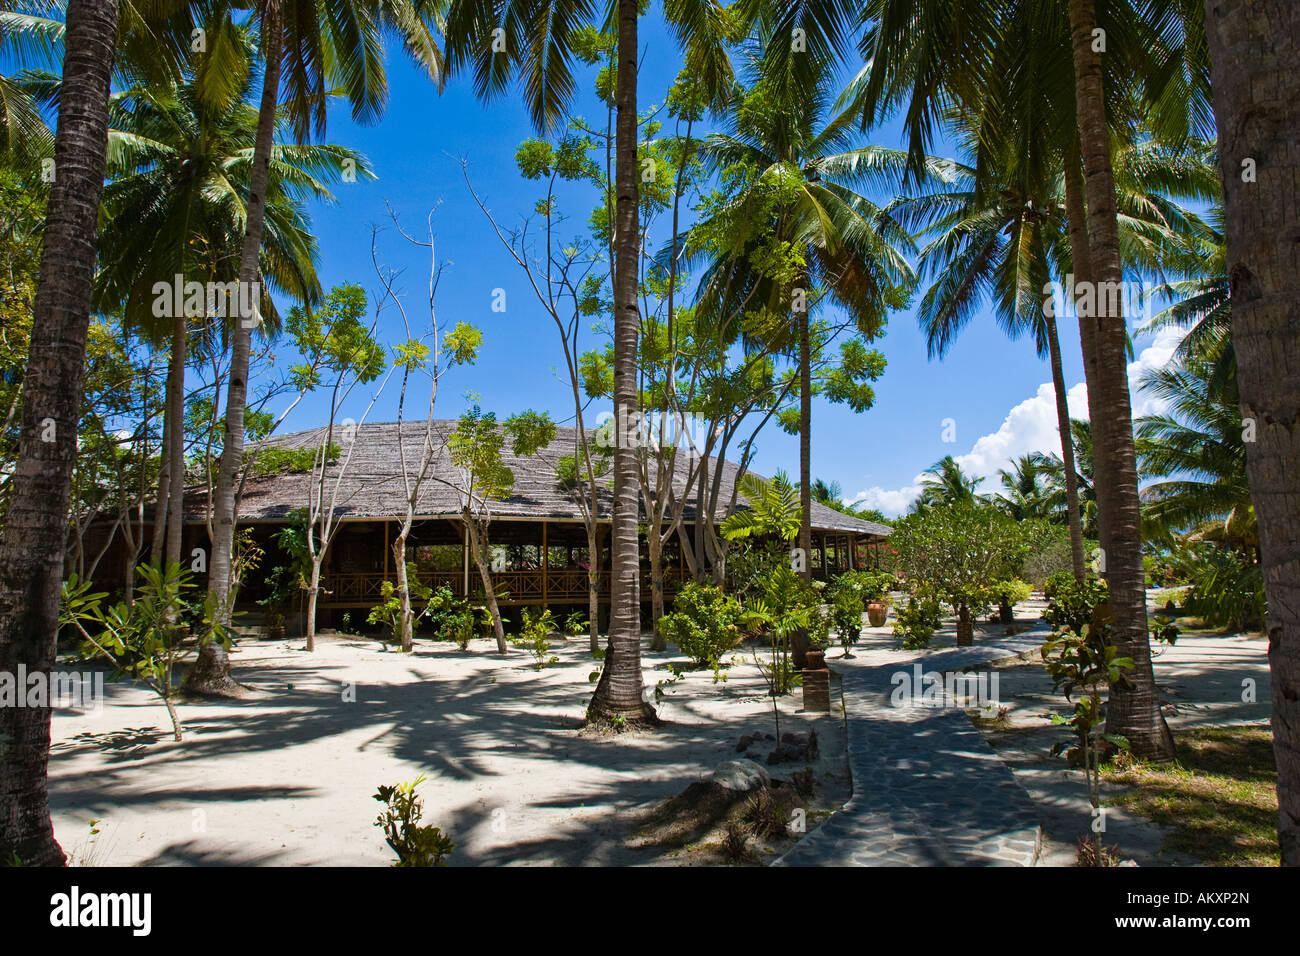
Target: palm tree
<point>314,47</point>
<point>944,484</point>
<point>1254,49</point>
<point>1025,494</point>
<point>1054,474</point>
<point>32,547</point>
<point>975,54</point>
<point>179,162</point>
<point>536,42</point>
<point>1195,449</point>
<point>798,201</point>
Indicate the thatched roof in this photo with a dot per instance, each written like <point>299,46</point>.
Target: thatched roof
<point>372,484</point>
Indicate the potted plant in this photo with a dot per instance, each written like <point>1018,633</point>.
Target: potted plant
<point>281,584</point>
<point>878,597</point>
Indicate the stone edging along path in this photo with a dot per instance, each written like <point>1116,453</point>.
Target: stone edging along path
<point>928,790</point>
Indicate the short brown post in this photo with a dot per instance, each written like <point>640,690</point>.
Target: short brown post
<point>816,683</point>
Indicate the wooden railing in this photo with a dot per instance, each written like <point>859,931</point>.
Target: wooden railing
<point>569,585</point>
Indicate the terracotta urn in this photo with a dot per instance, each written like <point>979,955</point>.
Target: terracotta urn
<point>876,614</point>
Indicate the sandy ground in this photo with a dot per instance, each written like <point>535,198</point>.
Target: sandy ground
<point>288,776</point>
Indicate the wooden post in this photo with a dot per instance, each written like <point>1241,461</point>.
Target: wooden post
<point>546,565</point>
<point>387,547</point>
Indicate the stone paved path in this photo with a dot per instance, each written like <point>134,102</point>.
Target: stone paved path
<point>927,789</point>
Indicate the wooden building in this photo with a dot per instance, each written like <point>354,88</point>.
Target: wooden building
<point>539,542</point>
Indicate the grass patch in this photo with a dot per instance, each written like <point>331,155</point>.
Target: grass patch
<point>1219,799</point>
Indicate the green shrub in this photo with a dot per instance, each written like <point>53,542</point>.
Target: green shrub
<point>916,622</point>
<point>1074,606</point>
<point>1227,589</point>
<point>414,845</point>
<point>1055,581</point>
<point>576,623</point>
<point>1015,591</point>
<point>705,623</point>
<point>534,637</point>
<point>846,612</point>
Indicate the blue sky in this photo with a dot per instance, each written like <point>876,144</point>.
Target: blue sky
<point>993,389</point>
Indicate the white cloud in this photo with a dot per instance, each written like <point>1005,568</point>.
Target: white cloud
<point>1031,427</point>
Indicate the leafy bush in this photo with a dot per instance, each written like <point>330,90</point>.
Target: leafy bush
<point>821,618</point>
<point>1163,630</point>
<point>142,639</point>
<point>705,623</point>
<point>916,622</point>
<point>1055,581</point>
<point>535,638</point>
<point>846,612</point>
<point>1074,606</point>
<point>1227,589</point>
<point>1015,591</point>
<point>576,623</point>
<point>414,845</point>
<point>958,552</point>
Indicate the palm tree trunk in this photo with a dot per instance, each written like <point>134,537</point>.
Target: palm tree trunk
<point>162,503</point>
<point>1254,48</point>
<point>211,672</point>
<point>799,638</point>
<point>175,426</point>
<point>36,524</point>
<point>1067,451</point>
<point>621,688</point>
<point>1134,711</point>
<point>1080,254</point>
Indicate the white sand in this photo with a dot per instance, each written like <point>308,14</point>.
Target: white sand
<point>288,776</point>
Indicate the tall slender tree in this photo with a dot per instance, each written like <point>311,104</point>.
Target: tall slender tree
<point>1254,47</point>
<point>498,40</point>
<point>313,47</point>
<point>36,526</point>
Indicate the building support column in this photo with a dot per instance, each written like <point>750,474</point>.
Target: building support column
<point>546,566</point>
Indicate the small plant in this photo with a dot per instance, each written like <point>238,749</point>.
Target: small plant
<point>735,844</point>
<point>576,623</point>
<point>916,621</point>
<point>704,624</point>
<point>846,612</point>
<point>415,845</point>
<point>763,815</point>
<point>598,655</point>
<point>674,675</point>
<point>1055,582</point>
<point>1093,853</point>
<point>347,622</point>
<point>143,639</point>
<point>535,638</point>
<point>1163,630</point>
<point>1085,661</point>
<point>1076,606</point>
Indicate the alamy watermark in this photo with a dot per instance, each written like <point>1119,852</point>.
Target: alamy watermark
<point>630,428</point>
<point>965,689</point>
<point>1088,300</point>
<point>73,690</point>
<point>223,300</point>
